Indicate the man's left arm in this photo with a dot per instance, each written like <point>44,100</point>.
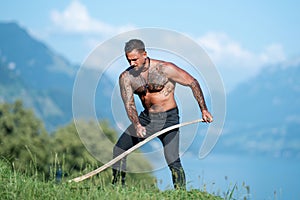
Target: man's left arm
<point>182,77</point>
<point>198,94</point>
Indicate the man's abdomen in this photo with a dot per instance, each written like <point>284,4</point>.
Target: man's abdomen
<point>158,102</point>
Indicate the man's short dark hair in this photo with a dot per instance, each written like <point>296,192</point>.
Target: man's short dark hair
<point>134,44</point>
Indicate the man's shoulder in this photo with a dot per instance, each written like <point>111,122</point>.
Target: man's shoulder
<point>162,64</point>
<point>125,73</point>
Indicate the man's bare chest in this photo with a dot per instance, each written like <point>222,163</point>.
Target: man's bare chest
<point>152,81</point>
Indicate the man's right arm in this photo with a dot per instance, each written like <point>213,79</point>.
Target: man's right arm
<point>128,100</point>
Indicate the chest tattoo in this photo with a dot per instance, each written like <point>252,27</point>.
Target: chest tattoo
<point>156,79</point>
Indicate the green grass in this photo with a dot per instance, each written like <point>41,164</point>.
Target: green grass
<point>14,185</point>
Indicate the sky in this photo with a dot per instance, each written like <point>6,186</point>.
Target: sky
<point>240,37</point>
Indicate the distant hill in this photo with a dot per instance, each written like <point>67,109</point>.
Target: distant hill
<point>263,115</point>
<point>272,97</point>
<point>33,72</point>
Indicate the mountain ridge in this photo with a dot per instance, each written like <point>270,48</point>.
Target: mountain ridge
<point>31,71</point>
<point>263,115</point>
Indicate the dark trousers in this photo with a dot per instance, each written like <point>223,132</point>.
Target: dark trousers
<point>153,122</point>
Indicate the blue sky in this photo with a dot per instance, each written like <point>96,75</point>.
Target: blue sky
<point>241,37</point>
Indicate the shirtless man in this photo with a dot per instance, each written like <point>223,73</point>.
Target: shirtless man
<point>154,82</point>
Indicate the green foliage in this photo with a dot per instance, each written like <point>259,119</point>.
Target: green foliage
<point>23,137</point>
<point>68,150</point>
<point>25,142</point>
<point>17,186</point>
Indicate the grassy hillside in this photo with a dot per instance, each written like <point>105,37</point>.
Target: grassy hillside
<point>18,186</point>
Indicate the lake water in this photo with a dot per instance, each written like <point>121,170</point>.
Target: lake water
<point>266,178</point>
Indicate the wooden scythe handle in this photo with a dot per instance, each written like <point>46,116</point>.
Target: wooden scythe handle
<point>116,159</point>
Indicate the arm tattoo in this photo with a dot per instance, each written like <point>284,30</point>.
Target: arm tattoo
<point>198,94</point>
<point>128,99</point>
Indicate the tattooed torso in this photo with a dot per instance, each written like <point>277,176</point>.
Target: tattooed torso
<point>153,87</point>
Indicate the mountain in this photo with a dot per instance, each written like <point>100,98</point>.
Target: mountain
<point>272,97</point>
<point>31,57</point>
<point>33,72</point>
<point>263,115</point>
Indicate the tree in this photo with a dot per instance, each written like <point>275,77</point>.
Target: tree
<point>23,138</point>
<point>25,143</point>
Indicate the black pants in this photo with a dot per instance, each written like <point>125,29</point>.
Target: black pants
<point>153,122</point>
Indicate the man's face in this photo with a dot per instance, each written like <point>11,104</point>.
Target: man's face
<point>136,59</point>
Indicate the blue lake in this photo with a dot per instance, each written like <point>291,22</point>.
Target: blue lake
<point>255,177</point>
